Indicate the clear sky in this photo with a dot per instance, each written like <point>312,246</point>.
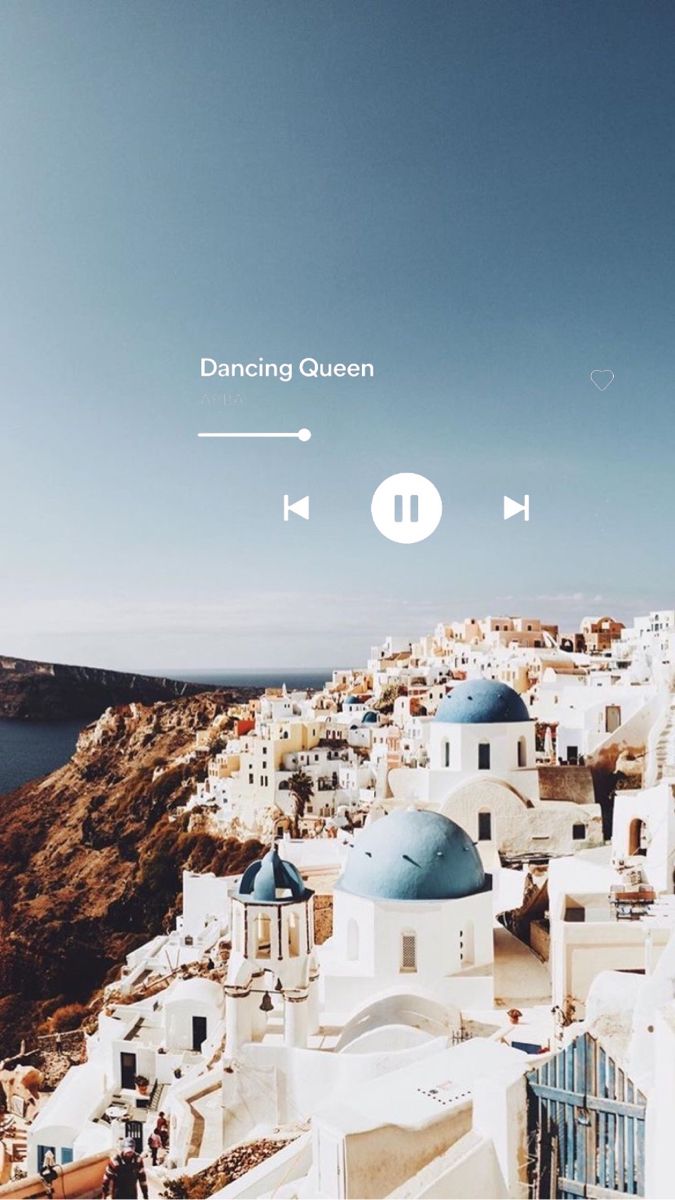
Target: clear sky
<point>477,197</point>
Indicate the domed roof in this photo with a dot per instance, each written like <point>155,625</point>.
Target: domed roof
<point>413,856</point>
<point>348,700</point>
<point>370,717</point>
<point>271,880</point>
<point>482,702</point>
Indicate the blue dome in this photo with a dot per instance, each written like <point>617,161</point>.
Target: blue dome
<point>350,700</point>
<point>413,856</point>
<point>482,702</point>
<point>270,880</point>
<point>370,718</point>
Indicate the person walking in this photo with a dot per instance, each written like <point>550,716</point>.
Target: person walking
<point>162,1128</point>
<point>124,1173</point>
<point>154,1144</point>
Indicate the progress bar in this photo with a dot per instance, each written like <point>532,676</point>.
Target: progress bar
<point>303,435</point>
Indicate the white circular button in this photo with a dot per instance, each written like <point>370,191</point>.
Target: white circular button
<point>406,508</point>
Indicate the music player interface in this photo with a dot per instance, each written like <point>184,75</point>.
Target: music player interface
<point>337,617</point>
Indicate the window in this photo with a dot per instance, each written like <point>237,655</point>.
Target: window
<point>263,927</point>
<point>446,754</point>
<point>353,939</point>
<point>522,752</point>
<point>484,756</point>
<point>484,827</point>
<point>293,934</point>
<point>578,831</point>
<point>466,949</point>
<point>612,717</point>
<point>408,952</point>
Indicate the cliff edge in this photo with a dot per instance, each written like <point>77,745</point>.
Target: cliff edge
<point>91,857</point>
<point>41,691</point>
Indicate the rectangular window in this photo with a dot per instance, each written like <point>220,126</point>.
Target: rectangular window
<point>484,756</point>
<point>612,717</point>
<point>484,827</point>
<point>578,832</point>
<point>408,952</point>
<point>263,936</point>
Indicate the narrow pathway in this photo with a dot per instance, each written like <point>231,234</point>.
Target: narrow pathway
<point>201,1109</point>
<point>521,979</point>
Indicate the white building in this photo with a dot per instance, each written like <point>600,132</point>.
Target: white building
<point>272,951</point>
<point>412,917</point>
<point>613,909</point>
<point>483,775</point>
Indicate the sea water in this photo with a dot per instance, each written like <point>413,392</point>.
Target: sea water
<point>29,749</point>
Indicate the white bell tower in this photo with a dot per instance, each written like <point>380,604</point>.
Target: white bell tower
<point>272,967</point>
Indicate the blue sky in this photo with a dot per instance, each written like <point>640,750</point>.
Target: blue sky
<point>476,197</point>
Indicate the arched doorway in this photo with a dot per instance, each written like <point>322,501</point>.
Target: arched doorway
<point>637,837</point>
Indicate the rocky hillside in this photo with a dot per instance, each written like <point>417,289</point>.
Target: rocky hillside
<point>53,691</point>
<point>91,862</point>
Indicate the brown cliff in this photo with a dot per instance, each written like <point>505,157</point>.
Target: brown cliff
<point>91,862</point>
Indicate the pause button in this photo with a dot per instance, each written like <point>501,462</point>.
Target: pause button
<point>406,508</point>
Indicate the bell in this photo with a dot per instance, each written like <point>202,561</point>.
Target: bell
<point>278,987</point>
<point>266,1003</point>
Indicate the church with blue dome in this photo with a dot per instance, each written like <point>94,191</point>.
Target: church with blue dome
<point>413,856</point>
<point>482,702</point>
<point>272,953</point>
<point>412,915</point>
<point>481,770</point>
<point>483,725</point>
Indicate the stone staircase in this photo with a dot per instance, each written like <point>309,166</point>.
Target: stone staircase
<point>157,1097</point>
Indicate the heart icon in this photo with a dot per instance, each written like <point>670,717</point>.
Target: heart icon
<point>602,379</point>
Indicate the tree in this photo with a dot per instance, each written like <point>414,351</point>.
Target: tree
<point>301,787</point>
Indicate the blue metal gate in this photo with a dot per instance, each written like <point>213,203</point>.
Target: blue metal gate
<point>586,1126</point>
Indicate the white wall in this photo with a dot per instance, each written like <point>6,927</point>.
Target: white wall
<point>203,896</point>
<point>363,958</point>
